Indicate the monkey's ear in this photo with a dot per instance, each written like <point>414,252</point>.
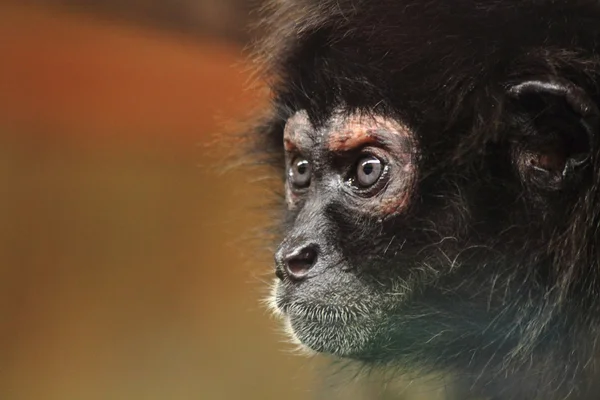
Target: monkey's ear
<point>556,123</point>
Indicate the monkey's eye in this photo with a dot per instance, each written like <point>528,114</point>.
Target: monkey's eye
<point>368,171</point>
<point>300,172</point>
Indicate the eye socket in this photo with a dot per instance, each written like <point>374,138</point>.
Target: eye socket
<point>368,171</point>
<point>300,172</point>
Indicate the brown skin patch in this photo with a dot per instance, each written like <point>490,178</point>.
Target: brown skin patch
<point>349,133</point>
<point>354,136</point>
<point>289,145</point>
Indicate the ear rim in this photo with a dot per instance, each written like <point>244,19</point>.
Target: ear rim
<point>580,103</point>
<point>575,96</point>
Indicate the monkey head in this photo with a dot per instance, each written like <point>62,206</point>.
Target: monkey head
<point>440,167</point>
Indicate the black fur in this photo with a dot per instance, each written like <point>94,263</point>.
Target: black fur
<point>497,261</point>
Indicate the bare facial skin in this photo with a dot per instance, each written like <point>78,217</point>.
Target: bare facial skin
<point>357,135</point>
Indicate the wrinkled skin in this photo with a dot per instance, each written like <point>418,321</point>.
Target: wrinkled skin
<point>440,166</point>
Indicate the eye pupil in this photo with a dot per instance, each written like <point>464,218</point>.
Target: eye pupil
<point>367,169</point>
<point>301,168</point>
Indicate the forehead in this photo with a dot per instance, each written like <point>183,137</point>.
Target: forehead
<point>342,132</point>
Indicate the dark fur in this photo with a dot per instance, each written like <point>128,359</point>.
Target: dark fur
<point>502,270</point>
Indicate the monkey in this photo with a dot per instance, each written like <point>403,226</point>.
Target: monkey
<point>439,166</point>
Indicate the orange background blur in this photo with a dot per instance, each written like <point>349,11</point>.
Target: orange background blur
<point>130,266</point>
<point>126,264</point>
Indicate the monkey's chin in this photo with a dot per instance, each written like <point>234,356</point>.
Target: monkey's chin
<point>338,331</point>
<point>315,325</point>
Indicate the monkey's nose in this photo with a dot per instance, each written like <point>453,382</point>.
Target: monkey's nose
<point>296,263</point>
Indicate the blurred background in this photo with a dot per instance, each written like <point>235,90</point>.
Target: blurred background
<point>129,264</point>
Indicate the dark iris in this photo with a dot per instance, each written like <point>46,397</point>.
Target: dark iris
<point>300,173</point>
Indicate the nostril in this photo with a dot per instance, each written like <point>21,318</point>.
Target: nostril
<point>299,263</point>
<point>299,266</point>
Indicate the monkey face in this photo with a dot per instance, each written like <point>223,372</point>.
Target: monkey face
<point>361,167</point>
